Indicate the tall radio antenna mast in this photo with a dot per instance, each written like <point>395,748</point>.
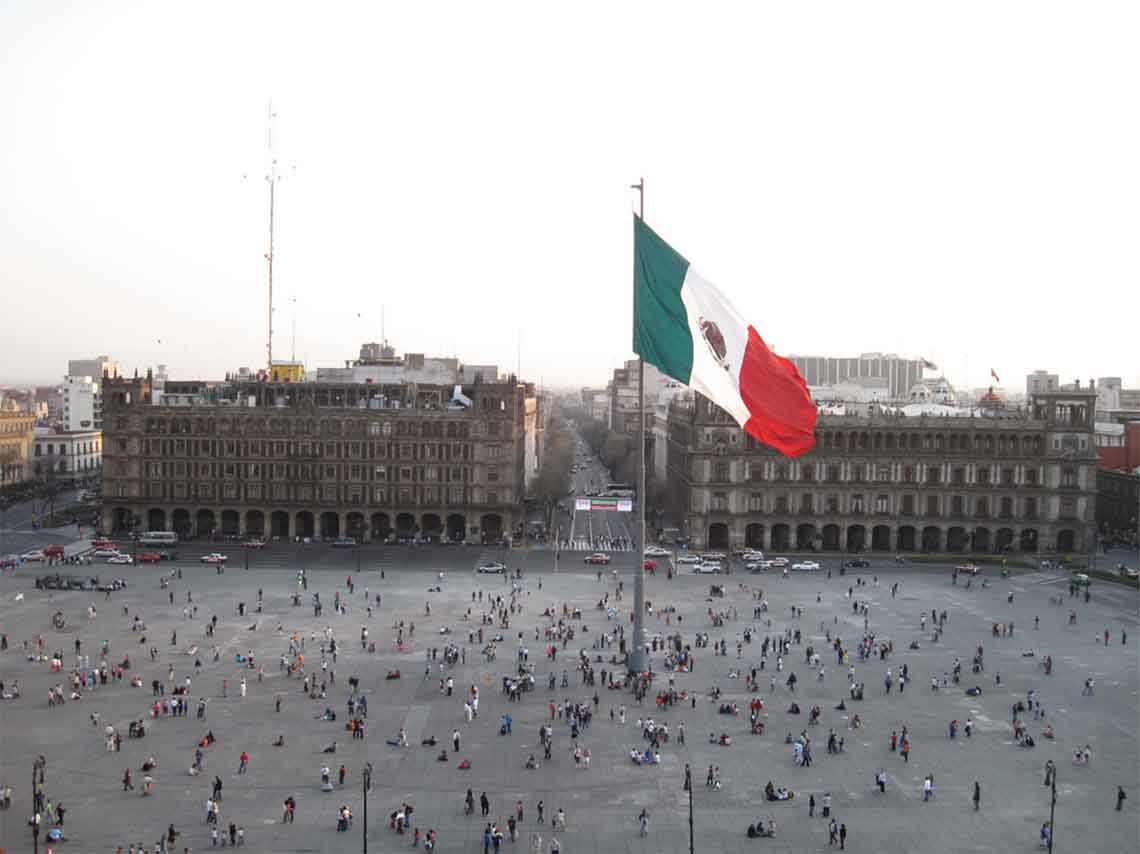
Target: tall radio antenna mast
<point>272,178</point>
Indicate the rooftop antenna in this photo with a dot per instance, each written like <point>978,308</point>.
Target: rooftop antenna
<point>271,178</point>
<point>293,343</point>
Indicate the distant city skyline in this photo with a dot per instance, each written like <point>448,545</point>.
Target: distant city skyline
<point>851,182</point>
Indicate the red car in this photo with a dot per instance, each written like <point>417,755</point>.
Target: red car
<point>105,544</point>
<point>53,551</point>
<point>149,557</point>
<point>650,566</point>
<point>598,557</point>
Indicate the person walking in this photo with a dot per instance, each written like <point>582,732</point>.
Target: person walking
<point>842,837</point>
<point>977,795</point>
<point>832,833</point>
<point>484,804</point>
<point>243,762</point>
<point>811,806</point>
<point>1120,796</point>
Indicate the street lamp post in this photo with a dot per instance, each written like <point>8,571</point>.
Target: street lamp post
<point>1052,807</point>
<point>367,787</point>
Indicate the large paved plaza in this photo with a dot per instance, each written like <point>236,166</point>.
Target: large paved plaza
<point>602,802</point>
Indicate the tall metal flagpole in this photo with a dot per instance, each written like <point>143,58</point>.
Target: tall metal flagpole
<point>637,649</point>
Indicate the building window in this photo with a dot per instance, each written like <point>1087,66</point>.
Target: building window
<point>1031,477</point>
<point>781,504</point>
<point>957,506</point>
<point>908,474</point>
<point>492,495</point>
<point>932,505</point>
<point>1007,508</point>
<point>982,508</point>
<point>781,472</point>
<point>807,472</point>
<point>833,473</point>
<point>857,504</point>
<point>958,475</point>
<point>884,474</point>
<point>1068,477</point>
<point>807,503</point>
<point>720,472</point>
<point>719,502</point>
<point>833,504</point>
<point>756,503</point>
<point>755,471</point>
<point>983,475</point>
<point>1007,477</point>
<point>933,474</point>
<point>908,505</point>
<point>1068,508</point>
<point>882,504</point>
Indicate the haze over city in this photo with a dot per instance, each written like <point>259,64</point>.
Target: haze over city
<point>963,193</point>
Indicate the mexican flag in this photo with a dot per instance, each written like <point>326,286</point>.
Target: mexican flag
<point>684,326</point>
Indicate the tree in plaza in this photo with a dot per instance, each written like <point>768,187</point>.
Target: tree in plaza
<point>553,480</point>
<point>47,469</point>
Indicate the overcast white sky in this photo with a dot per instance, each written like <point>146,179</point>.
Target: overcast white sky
<point>955,181</point>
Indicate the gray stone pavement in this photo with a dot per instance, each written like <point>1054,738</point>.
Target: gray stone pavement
<point>601,803</point>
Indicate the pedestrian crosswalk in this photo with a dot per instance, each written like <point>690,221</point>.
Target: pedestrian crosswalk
<point>599,544</point>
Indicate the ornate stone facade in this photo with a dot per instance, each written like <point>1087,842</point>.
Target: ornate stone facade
<point>17,430</point>
<point>1024,482</point>
<point>315,459</point>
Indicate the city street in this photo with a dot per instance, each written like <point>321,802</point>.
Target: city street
<point>602,802</point>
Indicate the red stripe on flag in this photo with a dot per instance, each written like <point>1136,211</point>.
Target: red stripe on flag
<point>781,409</point>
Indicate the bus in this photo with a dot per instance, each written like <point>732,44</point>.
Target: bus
<point>159,538</point>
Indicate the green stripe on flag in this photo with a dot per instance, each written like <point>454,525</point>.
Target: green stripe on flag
<point>660,323</point>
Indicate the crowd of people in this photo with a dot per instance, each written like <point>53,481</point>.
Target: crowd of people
<point>580,668</point>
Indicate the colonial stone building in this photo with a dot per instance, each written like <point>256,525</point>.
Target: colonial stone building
<point>316,459</point>
<point>17,430</point>
<point>1025,481</point>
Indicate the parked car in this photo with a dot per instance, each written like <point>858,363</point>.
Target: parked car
<point>685,559</point>
<point>9,561</point>
<point>120,558</point>
<point>343,543</point>
<point>33,555</point>
<point>104,553</point>
<point>214,558</point>
<point>752,556</point>
<point>657,551</point>
<point>778,562</point>
<point>491,567</point>
<point>1128,572</point>
<point>255,543</point>
<point>149,557</point>
<point>968,568</point>
<point>168,554</point>
<point>710,567</point>
<point>756,566</point>
<point>714,556</point>
<point>806,566</point>
<point>599,558</point>
<point>857,563</point>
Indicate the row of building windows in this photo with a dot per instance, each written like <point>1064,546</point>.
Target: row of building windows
<point>307,471</point>
<point>426,428</point>
<point>319,450</point>
<point>64,449</point>
<point>854,441</point>
<point>304,493</point>
<point>722,472</point>
<point>956,506</point>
